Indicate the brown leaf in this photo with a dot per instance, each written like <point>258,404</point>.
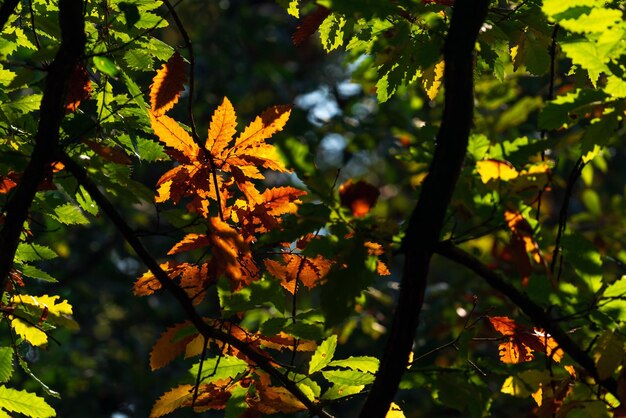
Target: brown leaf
<point>165,350</point>
<point>79,88</point>
<point>309,25</point>
<point>359,197</point>
<point>167,85</point>
<point>115,155</point>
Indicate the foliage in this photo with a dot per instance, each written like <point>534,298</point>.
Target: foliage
<point>282,239</point>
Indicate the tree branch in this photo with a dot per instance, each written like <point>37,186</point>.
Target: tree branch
<point>427,219</point>
<point>51,112</point>
<point>536,314</point>
<point>262,360</point>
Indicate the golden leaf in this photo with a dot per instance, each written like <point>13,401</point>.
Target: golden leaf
<point>222,128</point>
<point>172,400</point>
<point>496,169</point>
<point>188,243</point>
<point>174,136</point>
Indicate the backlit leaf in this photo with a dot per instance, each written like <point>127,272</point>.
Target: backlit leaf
<point>164,350</point>
<point>173,135</point>
<point>6,363</point>
<point>323,354</point>
<point>171,400</point>
<point>24,403</point>
<point>167,85</point>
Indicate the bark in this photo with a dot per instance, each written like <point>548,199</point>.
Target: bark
<point>51,112</point>
<point>424,228</point>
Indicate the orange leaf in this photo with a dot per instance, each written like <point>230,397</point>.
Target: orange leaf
<point>188,243</point>
<point>222,128</point>
<point>164,350</point>
<point>523,244</point>
<point>167,85</point>
<point>6,184</point>
<point>308,270</point>
<point>174,136</point>
<point>263,127</point>
<point>359,197</point>
<point>78,89</point>
<point>147,284</point>
<point>522,342</point>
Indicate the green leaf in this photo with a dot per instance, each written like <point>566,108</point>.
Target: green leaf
<point>617,289</point>
<point>348,377</point>
<point>35,273</point>
<point>609,354</point>
<point>361,363</point>
<point>323,354</point>
<point>331,31</point>
<point>86,202</point>
<point>6,364</point>
<point>236,404</point>
<point>139,59</point>
<point>217,368</point>
<point>339,391</point>
<point>24,403</point>
<point>567,108</point>
<point>33,252</point>
<point>105,66</point>
<point>45,387</point>
<point>131,13</point>
<point>69,214</point>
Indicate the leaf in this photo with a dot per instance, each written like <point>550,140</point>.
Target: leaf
<point>495,169</point>
<point>359,197</point>
<point>25,403</point>
<point>105,66</point>
<point>609,354</point>
<point>174,136</point>
<point>337,391</point>
<point>309,25</point>
<point>219,368</point>
<point>348,377</point>
<point>55,312</point>
<point>27,252</point>
<point>167,85</point>
<point>432,78</point>
<point>188,243</point>
<point>78,90</point>
<point>360,363</point>
<point>331,31</point>
<point>222,128</point>
<point>323,354</point>
<point>29,332</point>
<point>171,400</point>
<point>35,273</point>
<point>109,153</point>
<point>309,271</point>
<point>6,364</point>
<point>69,214</point>
<point>394,411</point>
<point>522,342</point>
<point>164,350</point>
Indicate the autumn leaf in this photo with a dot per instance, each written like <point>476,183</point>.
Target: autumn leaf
<point>6,184</point>
<point>222,128</point>
<point>115,155</point>
<point>309,25</point>
<point>167,85</point>
<point>165,349</point>
<point>495,169</point>
<point>309,271</point>
<point>78,89</point>
<point>174,136</point>
<point>359,197</point>
<point>432,79</point>
<point>188,243</point>
<point>171,400</point>
<point>523,246</point>
<point>522,342</point>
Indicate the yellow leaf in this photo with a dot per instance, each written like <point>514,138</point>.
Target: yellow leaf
<point>57,312</point>
<point>394,411</point>
<point>432,80</point>
<point>167,85</point>
<point>174,136</point>
<point>222,128</point>
<point>164,350</point>
<point>29,332</point>
<point>538,396</point>
<point>495,169</point>
<point>172,400</point>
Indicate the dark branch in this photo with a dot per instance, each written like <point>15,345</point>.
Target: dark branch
<point>427,219</point>
<point>262,360</point>
<point>51,113</point>
<point>536,314</point>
